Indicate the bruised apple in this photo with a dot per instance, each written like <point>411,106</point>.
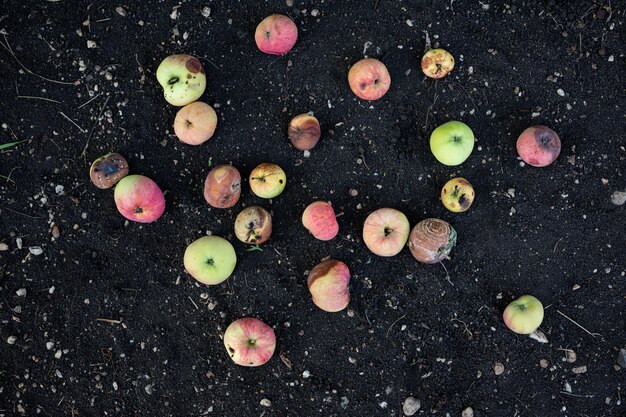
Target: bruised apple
<point>222,187</point>
<point>319,219</point>
<point>107,170</point>
<point>385,231</point>
<point>328,284</point>
<point>267,180</point>
<point>253,225</point>
<point>249,342</point>
<point>182,78</point>
<point>437,63</point>
<point>304,132</point>
<point>539,146</point>
<point>432,240</point>
<point>457,195</point>
<point>139,199</point>
<point>369,79</point>
<point>195,123</point>
<point>276,34</point>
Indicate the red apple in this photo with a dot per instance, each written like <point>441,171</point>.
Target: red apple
<point>369,79</point>
<point>328,284</point>
<point>276,34</point>
<point>249,342</point>
<point>385,231</point>
<point>139,199</point>
<point>319,219</point>
<point>539,146</point>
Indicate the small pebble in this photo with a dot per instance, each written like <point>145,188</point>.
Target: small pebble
<point>306,374</point>
<point>468,412</point>
<point>149,389</point>
<point>265,402</point>
<point>307,153</point>
<point>56,233</point>
<point>560,92</point>
<point>11,340</point>
<point>289,3</point>
<point>206,11</point>
<point>618,198</point>
<point>35,250</point>
<point>570,355</point>
<point>579,369</point>
<point>498,368</point>
<point>120,10</point>
<point>315,12</point>
<point>621,358</point>
<point>3,247</point>
<point>543,363</point>
<point>353,193</point>
<point>21,292</point>
<point>411,406</point>
<point>49,345</point>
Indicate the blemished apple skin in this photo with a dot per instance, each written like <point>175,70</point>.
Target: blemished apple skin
<point>437,63</point>
<point>432,240</point>
<point>386,231</point>
<point>304,132</point>
<point>108,170</point>
<point>139,199</point>
<point>320,220</point>
<point>253,225</point>
<point>328,284</point>
<point>276,34</point>
<point>195,123</point>
<point>267,180</point>
<point>222,186</point>
<point>452,143</point>
<point>210,259</point>
<point>457,195</point>
<point>369,79</point>
<point>538,146</point>
<point>249,342</point>
<point>182,78</point>
<point>524,315</point>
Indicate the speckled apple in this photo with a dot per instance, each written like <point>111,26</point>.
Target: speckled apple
<point>369,79</point>
<point>539,146</point>
<point>249,342</point>
<point>328,284</point>
<point>182,78</point>
<point>276,34</point>
<point>437,63</point>
<point>320,220</point>
<point>108,170</point>
<point>222,187</point>
<point>195,123</point>
<point>304,132</point>
<point>253,225</point>
<point>267,180</point>
<point>139,199</point>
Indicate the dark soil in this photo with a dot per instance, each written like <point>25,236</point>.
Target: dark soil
<point>408,331</point>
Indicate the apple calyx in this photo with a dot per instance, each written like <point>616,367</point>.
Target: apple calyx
<point>138,210</point>
<point>447,248</point>
<point>388,231</point>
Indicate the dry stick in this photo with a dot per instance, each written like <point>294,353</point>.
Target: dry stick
<point>112,321</point>
<point>8,48</point>
<point>392,324</point>
<point>73,122</point>
<point>192,302</point>
<point>39,98</point>
<point>588,332</point>
<point>90,100</point>
<point>94,126</point>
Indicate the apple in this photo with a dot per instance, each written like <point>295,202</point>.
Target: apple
<point>253,225</point>
<point>249,342</point>
<point>369,79</point>
<point>107,170</point>
<point>437,63</point>
<point>319,219</point>
<point>328,284</point>
<point>432,240</point>
<point>523,315</point>
<point>210,259</point>
<point>276,34</point>
<point>452,143</point>
<point>304,132</point>
<point>539,146</point>
<point>139,199</point>
<point>182,78</point>
<point>267,180</point>
<point>195,123</point>
<point>222,187</point>
<point>386,231</point>
<point>457,195</point>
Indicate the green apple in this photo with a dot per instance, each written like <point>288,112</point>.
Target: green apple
<point>523,315</point>
<point>452,143</point>
<point>182,78</point>
<point>210,259</point>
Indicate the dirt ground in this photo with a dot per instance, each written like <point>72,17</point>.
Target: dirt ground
<point>78,80</point>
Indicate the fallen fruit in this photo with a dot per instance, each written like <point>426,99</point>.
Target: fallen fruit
<point>319,219</point>
<point>369,79</point>
<point>139,199</point>
<point>538,146</point>
<point>457,195</point>
<point>431,240</point>
<point>253,225</point>
<point>210,259</point>
<point>523,315</point>
<point>328,284</point>
<point>249,342</point>
<point>195,123</point>
<point>304,132</point>
<point>267,180</point>
<point>182,78</point>
<point>222,187</point>
<point>386,231</point>
<point>452,143</point>
<point>437,63</point>
<point>107,170</point>
<point>276,34</point>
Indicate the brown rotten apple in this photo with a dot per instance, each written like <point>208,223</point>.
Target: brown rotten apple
<point>304,132</point>
<point>431,240</point>
<point>107,170</point>
<point>222,187</point>
<point>253,225</point>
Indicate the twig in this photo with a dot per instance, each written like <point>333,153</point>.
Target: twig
<point>193,302</point>
<point>8,48</point>
<point>392,324</point>
<point>94,126</point>
<point>39,98</point>
<point>90,100</point>
<point>112,321</point>
<point>429,109</point>
<point>576,395</point>
<point>556,244</point>
<point>428,46</point>
<point>73,122</point>
<point>587,331</point>
<point>22,214</point>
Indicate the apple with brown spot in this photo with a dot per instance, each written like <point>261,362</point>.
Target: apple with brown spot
<point>253,225</point>
<point>222,187</point>
<point>539,146</point>
<point>304,132</point>
<point>249,342</point>
<point>369,79</point>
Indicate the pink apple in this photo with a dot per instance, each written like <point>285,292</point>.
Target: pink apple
<point>328,284</point>
<point>249,342</point>
<point>319,218</point>
<point>139,199</point>
<point>369,79</point>
<point>539,146</point>
<point>276,34</point>
<point>386,231</point>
